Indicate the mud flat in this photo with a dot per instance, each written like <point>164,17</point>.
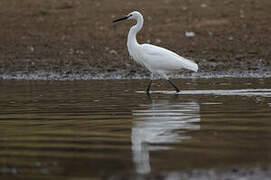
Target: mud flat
<point>74,39</point>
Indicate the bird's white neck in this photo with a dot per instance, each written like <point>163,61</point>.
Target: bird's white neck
<point>132,42</point>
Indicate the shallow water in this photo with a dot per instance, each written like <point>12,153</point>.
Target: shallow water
<point>111,128</point>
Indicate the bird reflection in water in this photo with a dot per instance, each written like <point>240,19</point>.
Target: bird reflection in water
<point>159,124</point>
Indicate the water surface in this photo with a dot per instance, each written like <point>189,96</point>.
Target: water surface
<point>111,128</point>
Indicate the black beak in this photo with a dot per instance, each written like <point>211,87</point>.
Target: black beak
<point>121,19</point>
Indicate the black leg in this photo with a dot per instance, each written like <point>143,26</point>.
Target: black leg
<point>149,87</point>
<point>149,97</point>
<point>172,84</point>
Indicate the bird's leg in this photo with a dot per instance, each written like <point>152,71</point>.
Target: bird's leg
<point>172,84</point>
<point>149,86</point>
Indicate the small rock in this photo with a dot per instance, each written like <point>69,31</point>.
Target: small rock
<point>31,48</point>
<point>114,52</point>
<point>230,38</point>
<point>189,34</point>
<point>203,5</point>
<point>184,8</point>
<point>158,41</point>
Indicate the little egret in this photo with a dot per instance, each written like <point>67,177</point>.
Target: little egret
<point>156,59</point>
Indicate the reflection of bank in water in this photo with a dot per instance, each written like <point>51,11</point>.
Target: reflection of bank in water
<point>162,122</point>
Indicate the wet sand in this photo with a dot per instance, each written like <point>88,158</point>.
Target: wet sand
<point>77,38</point>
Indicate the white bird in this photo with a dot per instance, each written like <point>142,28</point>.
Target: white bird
<point>156,59</point>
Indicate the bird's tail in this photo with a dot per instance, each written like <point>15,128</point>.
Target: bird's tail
<point>188,64</point>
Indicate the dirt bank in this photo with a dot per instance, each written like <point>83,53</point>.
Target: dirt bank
<point>78,37</point>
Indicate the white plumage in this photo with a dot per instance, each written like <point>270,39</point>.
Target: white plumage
<point>156,59</point>
<point>164,60</point>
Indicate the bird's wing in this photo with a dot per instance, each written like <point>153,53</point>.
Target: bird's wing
<point>161,58</point>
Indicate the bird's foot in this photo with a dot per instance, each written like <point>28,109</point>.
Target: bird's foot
<point>147,91</point>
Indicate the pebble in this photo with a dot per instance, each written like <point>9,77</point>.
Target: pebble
<point>189,34</point>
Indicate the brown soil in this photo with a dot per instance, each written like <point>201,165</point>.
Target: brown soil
<point>77,36</point>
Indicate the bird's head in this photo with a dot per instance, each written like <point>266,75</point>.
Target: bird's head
<point>132,15</point>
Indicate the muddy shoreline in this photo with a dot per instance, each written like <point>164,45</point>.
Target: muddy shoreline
<point>76,39</point>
